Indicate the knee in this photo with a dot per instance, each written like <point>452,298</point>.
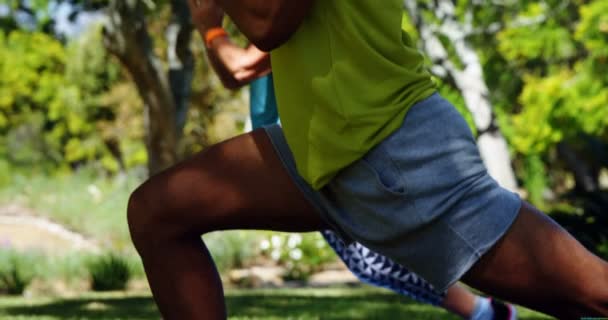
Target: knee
<point>157,214</point>
<point>144,212</point>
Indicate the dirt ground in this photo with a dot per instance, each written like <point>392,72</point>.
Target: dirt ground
<point>21,229</point>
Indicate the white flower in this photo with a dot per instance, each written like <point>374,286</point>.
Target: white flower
<point>295,254</point>
<point>320,244</point>
<point>276,241</point>
<point>94,192</point>
<point>265,244</point>
<point>275,255</point>
<point>294,240</point>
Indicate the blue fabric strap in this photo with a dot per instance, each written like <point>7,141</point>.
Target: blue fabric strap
<point>262,103</point>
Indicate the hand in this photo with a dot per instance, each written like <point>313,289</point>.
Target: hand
<point>252,65</point>
<point>206,14</point>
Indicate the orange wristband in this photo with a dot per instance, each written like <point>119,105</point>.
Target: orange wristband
<point>213,34</point>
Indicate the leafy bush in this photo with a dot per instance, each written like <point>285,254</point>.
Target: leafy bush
<point>59,104</point>
<point>5,178</point>
<point>17,270</point>
<point>232,249</point>
<point>109,272</point>
<point>301,254</point>
<point>105,272</point>
<point>535,180</point>
<point>70,267</point>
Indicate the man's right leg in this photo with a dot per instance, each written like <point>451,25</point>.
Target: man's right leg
<point>238,184</point>
<point>539,265</point>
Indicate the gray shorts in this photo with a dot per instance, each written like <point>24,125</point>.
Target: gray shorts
<point>421,197</point>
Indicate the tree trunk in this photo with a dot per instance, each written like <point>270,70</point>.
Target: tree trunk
<point>469,80</point>
<point>126,37</point>
<point>181,60</point>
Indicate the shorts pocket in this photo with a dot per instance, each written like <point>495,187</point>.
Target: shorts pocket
<point>388,175</point>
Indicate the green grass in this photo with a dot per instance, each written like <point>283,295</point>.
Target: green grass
<point>343,303</point>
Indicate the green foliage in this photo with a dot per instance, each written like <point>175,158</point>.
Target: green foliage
<point>300,254</point>
<point>31,65</point>
<point>31,86</point>
<point>109,272</point>
<point>552,58</point>
<point>562,92</point>
<point>522,45</point>
<point>90,66</point>
<point>87,110</point>
<point>70,267</point>
<point>535,180</point>
<point>232,249</point>
<point>17,270</point>
<point>5,177</point>
<point>54,105</point>
<point>593,28</point>
<point>560,107</point>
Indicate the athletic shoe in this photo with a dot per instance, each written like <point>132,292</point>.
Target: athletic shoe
<point>503,311</point>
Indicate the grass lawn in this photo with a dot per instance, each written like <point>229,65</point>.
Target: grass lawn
<point>344,303</point>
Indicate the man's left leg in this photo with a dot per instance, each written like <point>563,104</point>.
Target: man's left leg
<point>237,184</point>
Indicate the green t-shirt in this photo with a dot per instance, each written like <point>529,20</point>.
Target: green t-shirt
<point>344,82</point>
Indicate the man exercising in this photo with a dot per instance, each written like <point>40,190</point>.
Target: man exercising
<point>237,67</point>
<point>367,149</point>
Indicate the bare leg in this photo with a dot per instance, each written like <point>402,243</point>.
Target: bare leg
<point>238,184</point>
<point>460,301</point>
<point>539,265</point>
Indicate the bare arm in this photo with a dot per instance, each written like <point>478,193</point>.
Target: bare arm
<point>234,65</point>
<point>267,23</point>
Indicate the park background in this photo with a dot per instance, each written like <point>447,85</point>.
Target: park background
<point>95,95</point>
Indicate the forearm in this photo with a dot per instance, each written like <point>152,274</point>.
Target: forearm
<point>224,57</point>
<point>234,65</point>
<point>266,23</point>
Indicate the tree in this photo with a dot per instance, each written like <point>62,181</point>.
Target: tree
<point>563,88</point>
<point>445,34</point>
<point>126,36</point>
<point>544,67</point>
<point>165,94</point>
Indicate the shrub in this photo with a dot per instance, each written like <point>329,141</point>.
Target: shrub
<point>232,249</point>
<point>70,267</point>
<point>300,254</point>
<point>17,270</point>
<point>109,272</point>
